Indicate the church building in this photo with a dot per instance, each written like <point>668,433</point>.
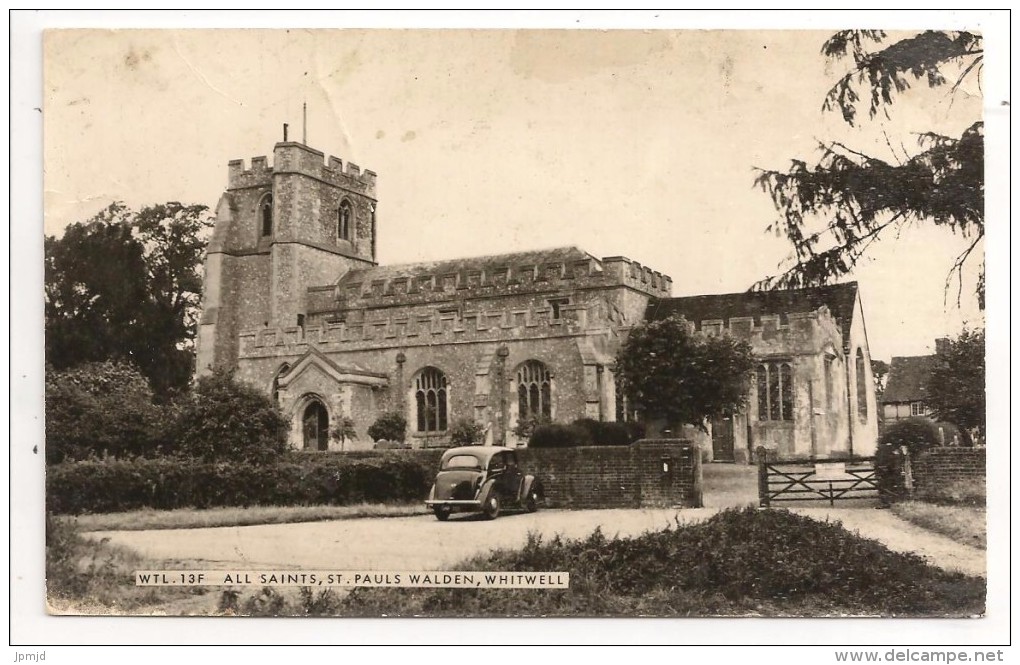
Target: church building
<point>296,304</point>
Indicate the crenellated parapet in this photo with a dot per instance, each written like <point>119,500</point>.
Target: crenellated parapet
<point>637,276</point>
<point>297,158</point>
<point>412,329</point>
<point>798,332</point>
<point>382,288</point>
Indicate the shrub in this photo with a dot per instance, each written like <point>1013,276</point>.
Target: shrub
<point>526,426</point>
<point>635,430</point>
<point>558,435</point>
<point>604,433</point>
<point>225,419</point>
<point>102,486</point>
<point>465,432</point>
<point>740,561</point>
<point>101,408</point>
<point>390,426</point>
<point>917,434</point>
<point>390,445</point>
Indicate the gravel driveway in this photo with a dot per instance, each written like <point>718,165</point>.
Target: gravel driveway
<point>422,542</point>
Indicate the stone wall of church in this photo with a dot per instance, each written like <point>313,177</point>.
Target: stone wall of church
<point>480,380</point>
<point>810,343</point>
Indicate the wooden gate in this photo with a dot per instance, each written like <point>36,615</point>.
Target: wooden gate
<point>815,480</point>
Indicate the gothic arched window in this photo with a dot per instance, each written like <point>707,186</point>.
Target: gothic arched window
<point>775,390</point>
<point>344,220</point>
<point>265,215</point>
<point>284,368</point>
<point>862,387</point>
<point>534,390</point>
<point>430,400</point>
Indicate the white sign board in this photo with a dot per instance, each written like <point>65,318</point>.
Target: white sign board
<point>830,471</point>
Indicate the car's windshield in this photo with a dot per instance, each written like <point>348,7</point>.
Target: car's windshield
<point>463,462</point>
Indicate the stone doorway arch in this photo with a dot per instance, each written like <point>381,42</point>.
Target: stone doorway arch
<point>315,426</point>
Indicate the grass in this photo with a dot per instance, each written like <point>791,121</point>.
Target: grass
<point>739,562</point>
<point>193,518</point>
<point>964,524</point>
<point>94,577</point>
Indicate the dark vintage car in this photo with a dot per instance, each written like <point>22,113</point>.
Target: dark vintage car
<point>482,478</point>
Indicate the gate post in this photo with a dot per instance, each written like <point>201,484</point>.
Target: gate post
<point>763,477</point>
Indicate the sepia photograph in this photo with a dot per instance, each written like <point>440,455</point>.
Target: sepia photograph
<point>519,323</point>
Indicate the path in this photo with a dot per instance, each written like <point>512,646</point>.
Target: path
<point>422,542</point>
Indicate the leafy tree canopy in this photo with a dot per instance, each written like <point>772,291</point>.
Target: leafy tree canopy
<point>681,375</point>
<point>102,408</point>
<point>833,209</point>
<point>225,419</point>
<point>126,285</point>
<point>879,370</point>
<point>956,385</point>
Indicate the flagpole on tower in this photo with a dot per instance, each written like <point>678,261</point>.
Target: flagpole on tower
<point>304,123</point>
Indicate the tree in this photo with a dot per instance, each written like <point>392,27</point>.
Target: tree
<point>681,375</point>
<point>125,285</point>
<point>879,370</point>
<point>225,419</point>
<point>955,389</point>
<point>174,237</point>
<point>101,408</point>
<point>834,210</point>
<point>95,293</point>
<point>343,431</point>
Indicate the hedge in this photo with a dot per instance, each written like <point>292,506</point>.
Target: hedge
<point>168,483</point>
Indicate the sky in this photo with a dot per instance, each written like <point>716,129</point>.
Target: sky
<point>641,143</point>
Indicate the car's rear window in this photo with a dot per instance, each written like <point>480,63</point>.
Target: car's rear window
<point>463,462</point>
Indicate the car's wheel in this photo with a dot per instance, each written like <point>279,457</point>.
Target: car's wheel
<point>491,508</point>
<point>531,502</point>
<point>442,513</point>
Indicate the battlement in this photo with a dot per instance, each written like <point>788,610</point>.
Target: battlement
<point>800,330</point>
<point>402,285</point>
<point>640,277</point>
<point>290,157</point>
<point>436,327</point>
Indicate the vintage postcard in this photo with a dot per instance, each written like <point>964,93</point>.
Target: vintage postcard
<point>517,323</point>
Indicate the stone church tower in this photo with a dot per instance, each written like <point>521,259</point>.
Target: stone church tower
<point>281,228</point>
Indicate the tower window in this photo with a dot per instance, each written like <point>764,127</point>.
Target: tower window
<point>345,218</point>
<point>265,214</point>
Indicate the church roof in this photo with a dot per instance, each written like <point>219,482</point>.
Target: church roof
<point>907,376</point>
<point>476,263</point>
<point>839,298</point>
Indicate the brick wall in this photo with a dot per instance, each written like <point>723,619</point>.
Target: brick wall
<point>939,466</point>
<point>618,476</point>
<point>599,476</point>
